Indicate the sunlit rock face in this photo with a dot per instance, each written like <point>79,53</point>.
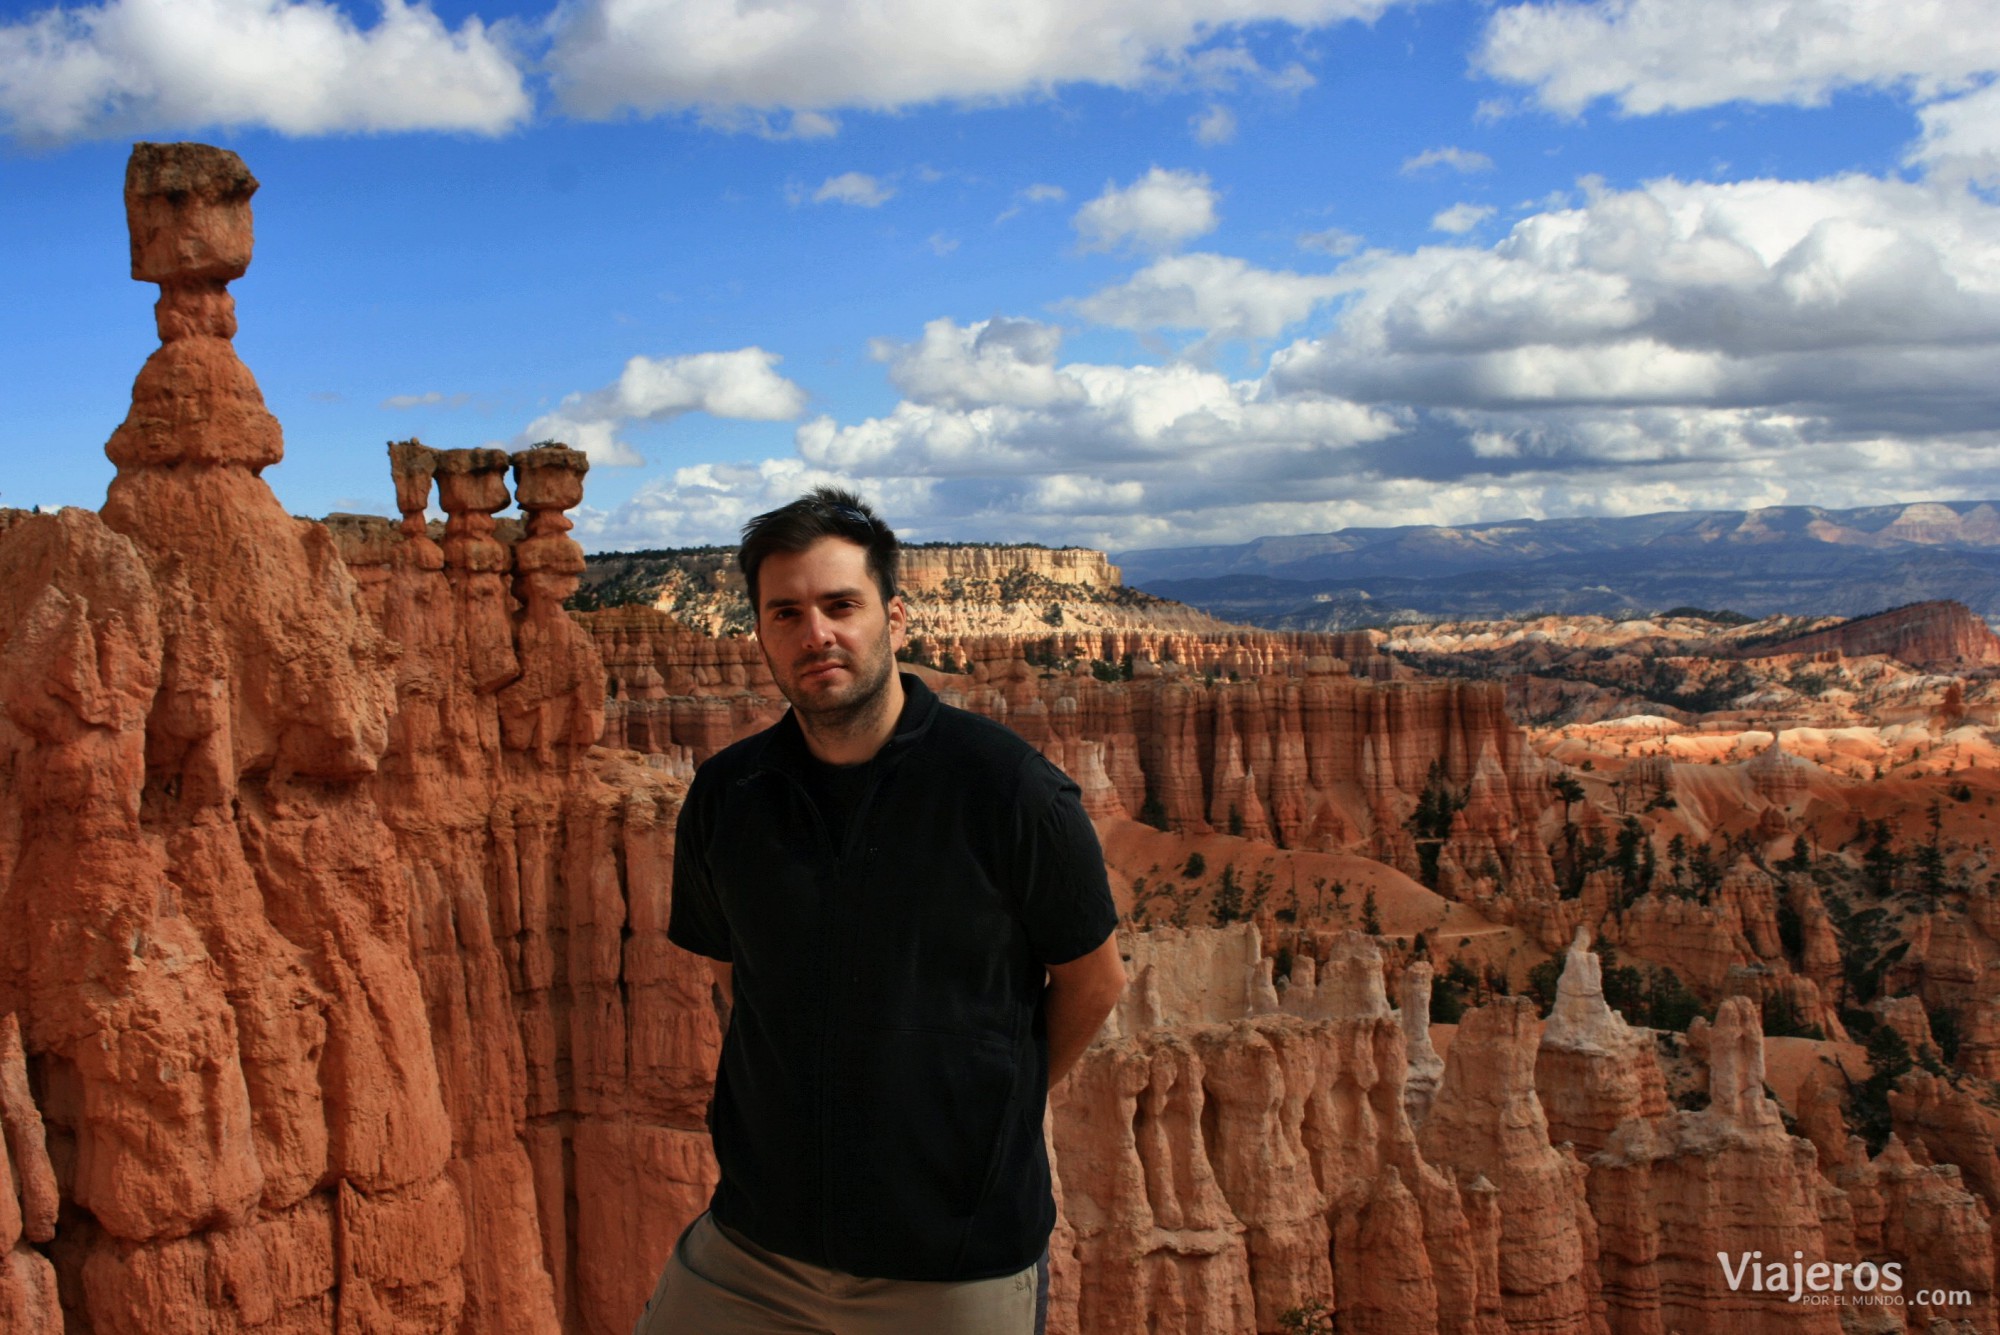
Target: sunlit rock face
<point>1940,635</point>
<point>1229,1153</point>
<point>1593,1070</point>
<point>334,990</point>
<point>1270,737</point>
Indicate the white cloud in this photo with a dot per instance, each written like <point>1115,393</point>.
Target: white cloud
<point>996,435</point>
<point>1649,56</point>
<point>428,399</point>
<point>612,56</point>
<point>1961,136</point>
<point>1075,493</point>
<point>777,126</point>
<point>1331,241</point>
<point>1681,345</point>
<point>300,67</point>
<point>1173,430</point>
<point>1221,295</point>
<point>708,503</point>
<point>1550,471</point>
<point>739,384</point>
<point>811,125</point>
<point>1041,192</point>
<point>1465,161</point>
<point>993,362</point>
<point>1217,125</point>
<point>942,244</point>
<point>1461,218</point>
<point>1833,298</point>
<point>1162,210</point>
<point>856,188</point>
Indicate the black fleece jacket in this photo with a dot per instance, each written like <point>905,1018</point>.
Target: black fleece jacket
<point>878,1107</point>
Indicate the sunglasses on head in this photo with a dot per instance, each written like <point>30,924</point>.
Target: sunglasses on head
<point>845,513</point>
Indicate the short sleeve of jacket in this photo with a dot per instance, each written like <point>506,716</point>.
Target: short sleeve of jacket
<point>696,921</point>
<point>1066,899</point>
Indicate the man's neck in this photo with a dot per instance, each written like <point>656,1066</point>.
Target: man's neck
<point>855,741</point>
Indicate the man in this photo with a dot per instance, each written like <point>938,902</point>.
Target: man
<point>907,908</point>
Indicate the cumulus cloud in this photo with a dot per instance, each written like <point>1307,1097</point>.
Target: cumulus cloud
<point>997,362</point>
<point>741,384</point>
<point>1536,470</point>
<point>1824,342</point>
<point>1461,218</point>
<point>708,504</point>
<point>1162,210</point>
<point>856,188</point>
<point>1961,137</point>
<point>777,126</point>
<point>1220,295</point>
<point>1217,125</point>
<point>429,399</point>
<point>1465,161</point>
<point>300,67</point>
<point>997,436</point>
<point>1680,345</point>
<point>1649,56</point>
<point>1041,192</point>
<point>1330,241</point>
<point>613,56</point>
<point>1832,294</point>
<point>1164,427</point>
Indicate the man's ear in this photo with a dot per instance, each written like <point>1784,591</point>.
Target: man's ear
<point>899,622</point>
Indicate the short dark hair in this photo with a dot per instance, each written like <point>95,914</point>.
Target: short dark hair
<point>823,512</point>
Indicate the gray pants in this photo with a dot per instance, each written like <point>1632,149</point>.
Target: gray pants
<point>719,1283</point>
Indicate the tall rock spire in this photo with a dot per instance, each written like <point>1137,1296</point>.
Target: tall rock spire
<point>188,207</point>
<point>270,666</point>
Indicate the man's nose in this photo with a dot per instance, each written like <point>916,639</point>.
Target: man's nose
<point>818,628</point>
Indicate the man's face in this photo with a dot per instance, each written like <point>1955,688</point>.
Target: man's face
<point>828,638</point>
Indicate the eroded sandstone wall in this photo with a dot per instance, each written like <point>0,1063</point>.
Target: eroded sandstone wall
<point>335,952</point>
<point>1939,635</point>
<point>1287,745</point>
<point>932,569</point>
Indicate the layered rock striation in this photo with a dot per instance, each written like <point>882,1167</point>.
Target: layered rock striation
<point>336,954</point>
<point>1940,636</point>
<point>1288,745</point>
<point>1230,1152</point>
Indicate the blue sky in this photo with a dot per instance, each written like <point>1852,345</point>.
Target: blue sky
<point>1125,273</point>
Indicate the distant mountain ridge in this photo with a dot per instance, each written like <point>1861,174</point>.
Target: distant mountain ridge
<point>1800,560</point>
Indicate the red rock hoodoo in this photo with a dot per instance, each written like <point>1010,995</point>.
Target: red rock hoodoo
<point>337,955</point>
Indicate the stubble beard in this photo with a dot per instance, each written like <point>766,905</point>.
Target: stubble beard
<point>862,705</point>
